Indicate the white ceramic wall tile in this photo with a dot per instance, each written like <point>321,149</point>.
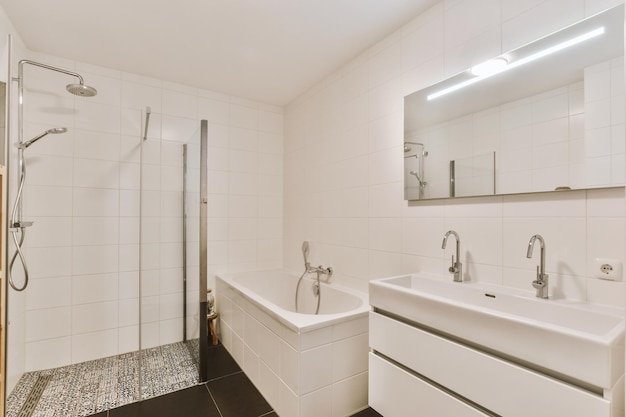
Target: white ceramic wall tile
<point>49,353</point>
<point>94,288</point>
<point>48,323</point>
<point>94,345</point>
<point>48,293</point>
<point>49,262</point>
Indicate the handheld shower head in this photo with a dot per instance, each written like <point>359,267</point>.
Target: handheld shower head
<point>305,253</point>
<point>81,90</point>
<point>53,131</point>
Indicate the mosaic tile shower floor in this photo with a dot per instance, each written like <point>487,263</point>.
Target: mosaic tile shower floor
<point>90,387</point>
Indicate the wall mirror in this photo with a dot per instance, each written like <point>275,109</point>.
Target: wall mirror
<point>546,116</point>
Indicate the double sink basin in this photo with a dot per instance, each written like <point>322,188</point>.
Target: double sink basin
<point>573,341</point>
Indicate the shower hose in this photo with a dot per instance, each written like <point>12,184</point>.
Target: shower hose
<point>319,291</point>
<point>18,227</point>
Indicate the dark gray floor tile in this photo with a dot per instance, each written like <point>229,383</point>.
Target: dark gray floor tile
<point>368,412</point>
<point>190,402</point>
<point>220,363</point>
<point>236,396</point>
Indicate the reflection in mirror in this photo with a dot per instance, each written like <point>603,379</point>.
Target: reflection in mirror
<point>550,117</point>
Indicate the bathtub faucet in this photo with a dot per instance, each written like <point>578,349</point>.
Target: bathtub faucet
<point>320,270</point>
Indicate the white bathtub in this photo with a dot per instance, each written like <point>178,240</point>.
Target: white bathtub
<point>303,364</point>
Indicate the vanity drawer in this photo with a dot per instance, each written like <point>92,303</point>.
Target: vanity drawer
<point>501,386</point>
<point>394,392</point>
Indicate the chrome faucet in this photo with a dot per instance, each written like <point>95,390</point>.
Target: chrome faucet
<point>457,267</point>
<point>541,283</point>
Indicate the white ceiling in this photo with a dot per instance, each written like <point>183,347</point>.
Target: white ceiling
<point>265,50</point>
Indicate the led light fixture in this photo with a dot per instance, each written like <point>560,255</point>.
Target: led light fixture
<point>530,58</point>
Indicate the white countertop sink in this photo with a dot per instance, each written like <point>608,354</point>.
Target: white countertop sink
<point>571,340</point>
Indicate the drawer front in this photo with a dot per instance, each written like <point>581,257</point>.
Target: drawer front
<point>500,386</point>
<point>393,392</point>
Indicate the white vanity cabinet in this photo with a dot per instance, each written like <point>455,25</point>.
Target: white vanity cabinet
<point>414,371</point>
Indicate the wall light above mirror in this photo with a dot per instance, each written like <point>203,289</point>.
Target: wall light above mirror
<point>550,117</point>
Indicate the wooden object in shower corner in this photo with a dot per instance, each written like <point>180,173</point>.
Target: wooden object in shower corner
<point>211,316</point>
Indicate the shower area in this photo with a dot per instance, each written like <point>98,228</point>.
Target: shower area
<point>106,291</point>
<point>414,161</point>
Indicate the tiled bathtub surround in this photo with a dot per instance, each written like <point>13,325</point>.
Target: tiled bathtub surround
<point>344,176</point>
<point>318,373</point>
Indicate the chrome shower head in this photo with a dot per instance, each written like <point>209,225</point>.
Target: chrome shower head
<point>81,90</point>
<point>53,131</point>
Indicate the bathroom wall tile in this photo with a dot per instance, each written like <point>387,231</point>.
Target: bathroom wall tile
<point>94,345</point>
<point>171,178</point>
<point>128,339</point>
<point>213,110</point>
<point>48,323</point>
<point>171,307</point>
<point>129,201</point>
<point>48,293</point>
<point>243,116</point>
<point>96,174</point>
<point>90,144</point>
<point>384,264</point>
<point>95,202</point>
<point>316,368</point>
<point>171,281</point>
<point>128,284</point>
<point>269,350</point>
<point>87,289</point>
<point>468,19</point>
<point>218,158</point>
<point>49,353</point>
<point>181,104</point>
<point>608,293</point>
<point>150,335</point>
<point>270,142</point>
<point>350,357</point>
<point>316,403</point>
<point>129,176</point>
<point>41,167</point>
<point>287,401</point>
<point>139,94</point>
<point>128,313</point>
<point>50,231</point>
<point>383,167</point>
<point>289,367</point>
<point>524,26</point>
<point>178,129</point>
<point>94,316</point>
<point>150,314</point>
<point>44,201</point>
<point>95,259</point>
<point>423,236</point>
<point>386,64</point>
<point>97,116</point>
<point>49,262</point>
<point>95,231</point>
<point>350,395</point>
<point>170,204</point>
<point>270,121</point>
<point>565,250</point>
<point>386,234</point>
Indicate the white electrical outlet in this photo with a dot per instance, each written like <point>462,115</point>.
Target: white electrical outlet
<point>606,268</point>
